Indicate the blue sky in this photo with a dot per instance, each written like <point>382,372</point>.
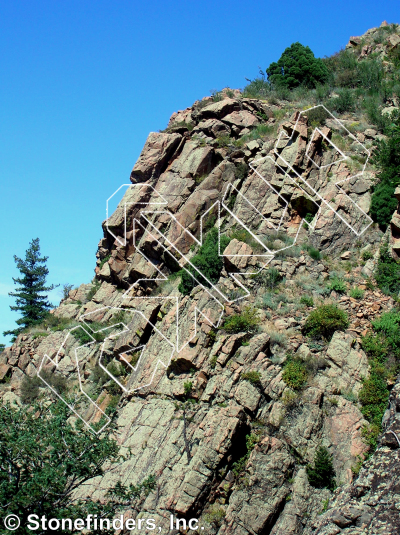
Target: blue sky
<point>83,83</point>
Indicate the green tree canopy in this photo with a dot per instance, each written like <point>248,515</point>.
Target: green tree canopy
<point>386,157</point>
<point>31,298</point>
<point>297,66</point>
<point>322,475</point>
<point>207,261</point>
<point>44,458</point>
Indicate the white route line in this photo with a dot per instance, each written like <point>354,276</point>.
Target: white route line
<point>89,331</point>
<point>358,234</point>
<point>188,266</point>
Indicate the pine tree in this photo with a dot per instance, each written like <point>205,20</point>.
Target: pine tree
<point>323,473</point>
<point>298,66</point>
<point>30,300</point>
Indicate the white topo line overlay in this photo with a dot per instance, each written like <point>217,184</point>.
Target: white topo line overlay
<point>145,221</point>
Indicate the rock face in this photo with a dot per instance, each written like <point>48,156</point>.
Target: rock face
<point>236,457</point>
<point>375,40</point>
<point>370,504</point>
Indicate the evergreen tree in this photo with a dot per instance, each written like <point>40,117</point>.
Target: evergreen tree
<point>323,473</point>
<point>30,300</point>
<point>297,66</point>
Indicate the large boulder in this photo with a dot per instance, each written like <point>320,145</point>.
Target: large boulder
<point>156,153</point>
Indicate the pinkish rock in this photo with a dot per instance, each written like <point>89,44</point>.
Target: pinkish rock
<point>4,369</point>
<point>154,157</point>
<point>242,119</point>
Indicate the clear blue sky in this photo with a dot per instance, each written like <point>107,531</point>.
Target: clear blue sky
<point>84,82</point>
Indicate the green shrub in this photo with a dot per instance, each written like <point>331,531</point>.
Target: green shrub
<point>338,285</point>
<point>212,335</point>
<point>291,252</point>
<point>306,300</point>
<point>342,68</point>
<point>369,284</point>
<point>84,337</point>
<point>356,293</point>
<point>29,390</point>
<point>215,515</point>
<point>40,335</point>
<point>376,346</point>
<point>349,395</point>
<point>297,66</point>
<point>367,255</point>
<point>179,125</point>
<point>325,320</point>
<point>224,140</point>
<point>386,157</point>
<point>370,75</point>
<point>373,108</point>
<point>231,202</point>
<point>99,376</point>
<point>322,475</point>
<point>316,117</point>
<point>282,93</point>
<point>370,435</point>
<point>313,252</point>
<point>344,102</point>
<point>66,288</point>
<point>309,217</point>
<point>241,170</point>
<point>104,260</point>
<point>278,338</point>
<point>55,323</point>
<point>93,290</point>
<point>295,373</point>
<point>55,380</point>
<point>394,57</point>
<point>207,261</point>
<point>322,93</point>
<point>187,387</point>
<point>115,369</point>
<point>113,403</point>
<point>383,350</point>
<point>247,321</point>
<point>251,441</point>
<point>113,388</point>
<point>389,325</point>
<point>374,396</point>
<point>269,278</point>
<point>268,301</point>
<point>216,95</point>
<point>387,274</point>
<point>257,88</point>
<point>383,204</point>
<point>121,316</point>
<point>241,234</point>
<point>253,377</point>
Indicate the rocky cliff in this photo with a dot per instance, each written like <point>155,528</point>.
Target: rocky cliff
<point>290,190</point>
